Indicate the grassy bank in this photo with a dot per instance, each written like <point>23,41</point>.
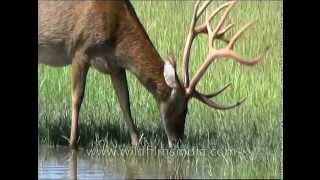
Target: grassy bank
<point>253,129</point>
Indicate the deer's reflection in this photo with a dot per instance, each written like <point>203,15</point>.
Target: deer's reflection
<point>136,167</point>
<point>72,160</point>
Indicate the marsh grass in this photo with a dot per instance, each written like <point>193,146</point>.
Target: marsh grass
<point>253,128</point>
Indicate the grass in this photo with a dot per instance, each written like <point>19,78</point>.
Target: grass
<point>252,129</point>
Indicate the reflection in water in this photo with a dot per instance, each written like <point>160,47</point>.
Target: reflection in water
<point>73,165</point>
<point>62,163</point>
<point>137,168</point>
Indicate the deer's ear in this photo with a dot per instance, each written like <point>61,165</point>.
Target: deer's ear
<point>170,75</point>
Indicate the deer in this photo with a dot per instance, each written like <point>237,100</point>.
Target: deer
<point>109,37</point>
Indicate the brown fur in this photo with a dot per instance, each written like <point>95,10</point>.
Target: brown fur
<point>110,25</point>
<point>108,36</point>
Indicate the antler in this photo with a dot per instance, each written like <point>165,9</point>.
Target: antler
<point>194,31</point>
<point>213,54</point>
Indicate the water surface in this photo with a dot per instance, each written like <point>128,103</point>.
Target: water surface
<point>63,163</point>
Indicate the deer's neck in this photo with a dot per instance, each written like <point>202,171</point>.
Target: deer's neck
<point>140,57</point>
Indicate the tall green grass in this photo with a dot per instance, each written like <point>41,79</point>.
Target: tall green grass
<point>253,128</point>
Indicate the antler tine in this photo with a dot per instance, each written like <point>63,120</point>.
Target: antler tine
<point>214,105</point>
<point>202,28</point>
<point>237,35</point>
<point>215,93</point>
<point>202,8</point>
<point>196,6</point>
<point>223,31</point>
<point>220,35</point>
<point>227,53</point>
<point>186,50</point>
<point>219,25</point>
<point>210,34</point>
<point>198,75</point>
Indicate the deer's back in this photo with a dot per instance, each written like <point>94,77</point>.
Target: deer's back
<point>65,27</point>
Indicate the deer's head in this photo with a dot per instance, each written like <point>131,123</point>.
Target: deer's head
<point>174,109</point>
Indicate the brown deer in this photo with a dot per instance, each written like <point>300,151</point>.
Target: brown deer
<point>108,36</point>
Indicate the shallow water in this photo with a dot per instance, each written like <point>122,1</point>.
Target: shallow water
<point>62,163</point>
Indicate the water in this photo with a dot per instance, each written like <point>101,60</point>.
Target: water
<point>63,163</point>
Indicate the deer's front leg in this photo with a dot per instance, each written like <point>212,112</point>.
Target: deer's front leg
<point>120,85</point>
<point>78,80</point>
